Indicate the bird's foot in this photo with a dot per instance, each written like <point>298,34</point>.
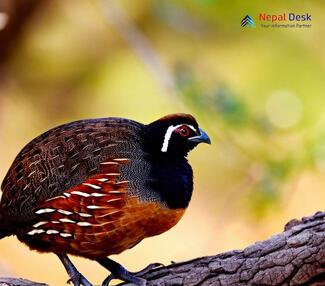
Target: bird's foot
<point>127,277</point>
<point>75,276</point>
<point>78,279</point>
<point>119,272</point>
<point>147,269</point>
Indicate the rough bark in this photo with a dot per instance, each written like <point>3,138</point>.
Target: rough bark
<point>19,282</point>
<point>293,257</point>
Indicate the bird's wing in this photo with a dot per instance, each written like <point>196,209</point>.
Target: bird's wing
<point>62,158</point>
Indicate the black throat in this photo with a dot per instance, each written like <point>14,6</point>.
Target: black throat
<point>172,180</point>
<point>171,177</point>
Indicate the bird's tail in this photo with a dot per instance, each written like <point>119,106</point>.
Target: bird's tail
<point>3,231</point>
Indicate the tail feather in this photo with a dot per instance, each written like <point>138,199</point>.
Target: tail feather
<point>3,231</point>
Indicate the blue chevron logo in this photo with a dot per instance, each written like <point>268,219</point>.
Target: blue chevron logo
<point>248,20</point>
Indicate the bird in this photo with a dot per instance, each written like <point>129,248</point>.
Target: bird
<point>96,187</point>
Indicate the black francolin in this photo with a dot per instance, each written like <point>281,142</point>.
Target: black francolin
<point>97,187</point>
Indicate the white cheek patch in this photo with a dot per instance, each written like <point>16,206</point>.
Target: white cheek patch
<point>169,133</point>
<point>167,137</point>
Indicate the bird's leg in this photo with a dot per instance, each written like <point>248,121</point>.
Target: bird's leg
<point>119,272</point>
<point>75,276</point>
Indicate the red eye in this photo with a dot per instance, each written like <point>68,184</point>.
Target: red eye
<point>183,131</point>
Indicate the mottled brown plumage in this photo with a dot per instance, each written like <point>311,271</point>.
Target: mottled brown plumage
<point>98,218</point>
<point>96,187</point>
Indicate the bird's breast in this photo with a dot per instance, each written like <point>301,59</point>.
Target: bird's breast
<point>172,182</point>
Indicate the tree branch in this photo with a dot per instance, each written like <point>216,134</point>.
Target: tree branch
<point>19,282</point>
<point>293,257</point>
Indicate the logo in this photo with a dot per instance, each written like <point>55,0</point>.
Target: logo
<point>285,20</point>
<point>284,17</point>
<point>280,20</point>
<point>248,20</point>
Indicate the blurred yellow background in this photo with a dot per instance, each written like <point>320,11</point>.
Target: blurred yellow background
<point>258,92</point>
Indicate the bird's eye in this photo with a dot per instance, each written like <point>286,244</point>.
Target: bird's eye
<point>184,131</point>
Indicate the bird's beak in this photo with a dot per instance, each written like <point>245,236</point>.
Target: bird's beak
<point>202,138</point>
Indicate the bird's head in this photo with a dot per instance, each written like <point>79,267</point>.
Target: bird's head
<point>175,135</point>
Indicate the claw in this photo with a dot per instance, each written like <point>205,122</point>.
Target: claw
<point>119,272</point>
<point>77,279</point>
<point>147,269</point>
<point>108,279</point>
<point>129,278</point>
